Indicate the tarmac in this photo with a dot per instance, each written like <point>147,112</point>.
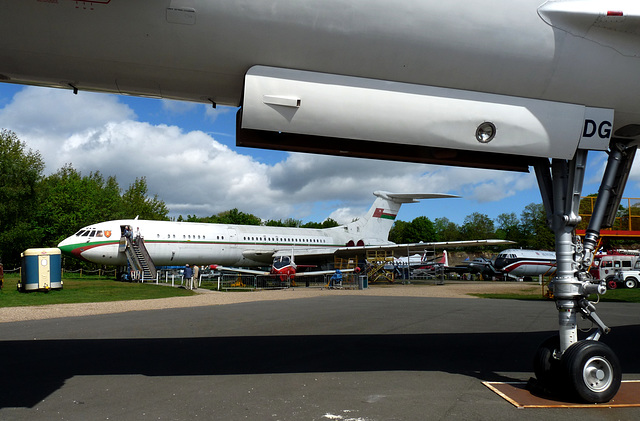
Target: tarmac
<point>351,358</point>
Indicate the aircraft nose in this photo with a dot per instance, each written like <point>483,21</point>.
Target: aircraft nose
<point>66,246</point>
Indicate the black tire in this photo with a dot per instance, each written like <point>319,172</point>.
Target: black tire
<point>630,282</point>
<point>546,366</point>
<point>592,371</point>
<point>611,284</point>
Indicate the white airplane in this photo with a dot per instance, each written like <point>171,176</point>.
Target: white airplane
<point>521,263</point>
<point>491,84</point>
<point>178,243</point>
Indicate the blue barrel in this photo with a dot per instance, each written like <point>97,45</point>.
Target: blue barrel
<point>41,269</point>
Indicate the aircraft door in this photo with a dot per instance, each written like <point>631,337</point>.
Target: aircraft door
<point>229,253</point>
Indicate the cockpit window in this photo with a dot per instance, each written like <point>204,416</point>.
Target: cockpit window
<point>79,233</point>
<point>86,233</point>
<point>99,234</point>
<point>93,233</point>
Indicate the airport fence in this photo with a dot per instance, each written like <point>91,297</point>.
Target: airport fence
<point>73,273</point>
<point>231,282</point>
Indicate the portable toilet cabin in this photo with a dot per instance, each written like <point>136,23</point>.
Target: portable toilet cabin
<point>41,270</point>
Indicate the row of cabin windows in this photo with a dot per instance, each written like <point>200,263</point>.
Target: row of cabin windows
<point>286,240</point>
<point>193,237</point>
<point>99,233</point>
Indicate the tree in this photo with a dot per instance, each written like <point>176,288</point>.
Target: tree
<point>327,223</point>
<point>234,216</point>
<point>446,230</point>
<point>420,230</point>
<point>69,201</point>
<point>137,203</point>
<point>397,233</point>
<point>20,173</point>
<point>536,233</point>
<point>330,223</point>
<point>508,227</point>
<point>477,226</point>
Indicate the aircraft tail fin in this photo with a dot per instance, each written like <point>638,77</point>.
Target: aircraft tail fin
<point>445,259</point>
<point>374,226</point>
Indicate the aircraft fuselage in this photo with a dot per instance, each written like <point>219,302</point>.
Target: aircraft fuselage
<point>177,243</point>
<point>201,50</point>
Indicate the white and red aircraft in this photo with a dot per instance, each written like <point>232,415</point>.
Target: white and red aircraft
<point>520,263</point>
<point>497,84</point>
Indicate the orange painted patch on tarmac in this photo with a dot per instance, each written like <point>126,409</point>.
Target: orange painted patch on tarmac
<point>517,394</point>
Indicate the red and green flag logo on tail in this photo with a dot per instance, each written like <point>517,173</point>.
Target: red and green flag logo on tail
<point>380,213</point>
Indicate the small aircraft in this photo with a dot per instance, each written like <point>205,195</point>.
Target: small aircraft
<point>284,268</point>
<point>498,84</point>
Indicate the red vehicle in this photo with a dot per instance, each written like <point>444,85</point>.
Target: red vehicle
<point>606,266</point>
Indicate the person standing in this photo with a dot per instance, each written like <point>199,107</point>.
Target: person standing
<point>188,276</point>
<point>196,273</point>
<point>127,232</point>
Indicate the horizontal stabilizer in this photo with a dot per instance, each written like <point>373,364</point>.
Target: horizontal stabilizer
<point>412,197</point>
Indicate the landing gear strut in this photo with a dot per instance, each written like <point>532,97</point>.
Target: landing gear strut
<point>585,370</point>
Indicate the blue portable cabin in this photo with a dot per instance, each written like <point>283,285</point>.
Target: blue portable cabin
<point>41,269</point>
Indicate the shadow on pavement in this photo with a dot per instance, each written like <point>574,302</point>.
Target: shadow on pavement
<point>32,370</point>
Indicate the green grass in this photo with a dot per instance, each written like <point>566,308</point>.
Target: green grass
<point>85,289</point>
<point>615,295</point>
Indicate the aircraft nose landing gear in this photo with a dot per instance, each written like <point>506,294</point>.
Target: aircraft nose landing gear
<point>585,370</point>
<point>588,371</point>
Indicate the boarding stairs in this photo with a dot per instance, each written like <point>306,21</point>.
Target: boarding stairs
<point>376,261</point>
<point>138,258</point>
<point>345,263</point>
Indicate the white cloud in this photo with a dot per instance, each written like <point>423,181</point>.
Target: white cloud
<point>345,215</point>
<point>178,107</point>
<point>213,113</point>
<point>55,113</point>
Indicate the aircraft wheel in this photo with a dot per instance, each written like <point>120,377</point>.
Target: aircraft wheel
<point>630,282</point>
<point>545,365</point>
<point>592,371</point>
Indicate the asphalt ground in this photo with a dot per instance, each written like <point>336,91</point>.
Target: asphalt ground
<point>326,358</point>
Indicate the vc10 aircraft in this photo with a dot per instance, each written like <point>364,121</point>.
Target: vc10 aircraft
<point>496,84</point>
<point>178,243</point>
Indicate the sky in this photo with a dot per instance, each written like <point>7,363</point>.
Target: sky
<point>188,155</point>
